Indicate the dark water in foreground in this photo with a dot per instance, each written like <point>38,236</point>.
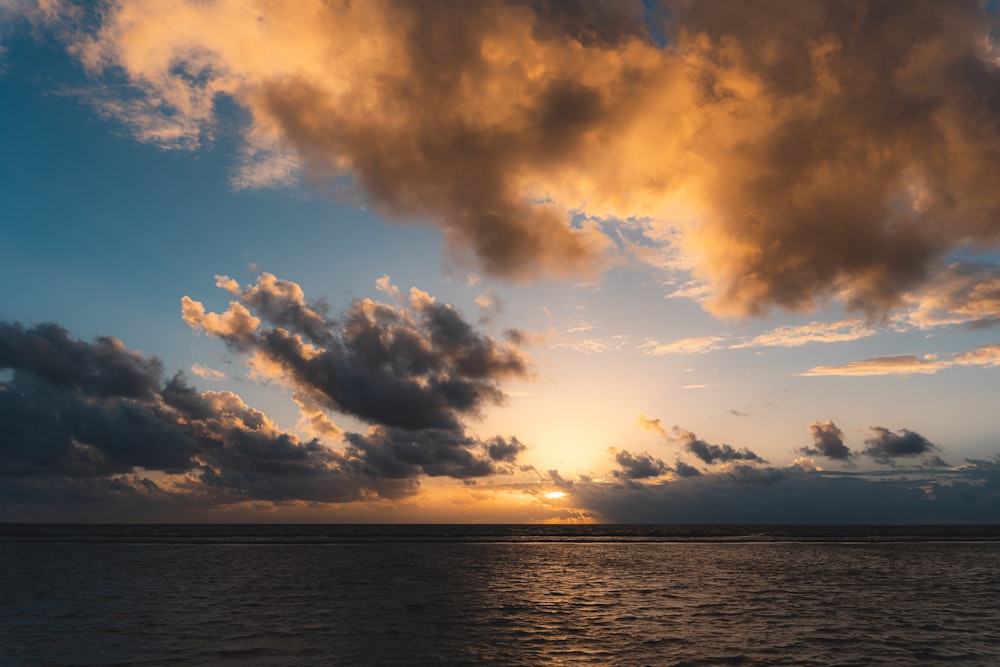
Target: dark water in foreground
<point>498,595</point>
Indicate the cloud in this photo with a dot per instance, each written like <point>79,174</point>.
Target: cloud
<point>814,332</point>
<point>796,153</point>
<point>712,453</point>
<point>638,466</point>
<point>698,345</point>
<point>684,470</point>
<point>651,424</point>
<point>207,373</point>
<point>415,366</point>
<point>961,293</point>
<point>885,446</point>
<point>414,371</point>
<point>828,441</point>
<point>92,425</point>
<point>901,364</point>
<point>742,494</point>
<point>98,410</point>
<point>987,355</point>
<point>504,449</point>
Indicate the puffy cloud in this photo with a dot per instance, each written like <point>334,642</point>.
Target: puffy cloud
<point>828,441</point>
<point>92,425</point>
<point>638,466</point>
<point>100,410</point>
<point>710,453</point>
<point>504,449</point>
<point>417,366</point>
<point>885,446</point>
<point>651,424</point>
<point>234,326</point>
<point>412,370</point>
<point>901,364</point>
<point>795,152</point>
<point>684,470</point>
<point>103,368</point>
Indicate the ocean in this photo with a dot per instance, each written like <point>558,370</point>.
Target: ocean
<point>498,595</point>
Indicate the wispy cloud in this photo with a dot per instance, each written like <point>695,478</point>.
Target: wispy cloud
<point>901,364</point>
<point>987,355</point>
<point>908,364</point>
<point>699,345</point>
<point>814,332</point>
<point>207,373</point>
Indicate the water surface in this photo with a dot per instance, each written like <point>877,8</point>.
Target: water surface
<point>509,595</point>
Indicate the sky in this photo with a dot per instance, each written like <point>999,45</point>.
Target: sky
<point>501,261</point>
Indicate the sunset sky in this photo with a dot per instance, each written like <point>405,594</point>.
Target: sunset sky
<point>500,261</point>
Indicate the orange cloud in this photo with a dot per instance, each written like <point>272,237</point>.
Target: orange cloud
<point>988,355</point>
<point>651,424</point>
<point>795,152</point>
<point>901,364</point>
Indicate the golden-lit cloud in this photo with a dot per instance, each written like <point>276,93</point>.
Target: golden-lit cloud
<point>959,294</point>
<point>900,364</point>
<point>207,373</point>
<point>654,424</point>
<point>794,153</point>
<point>814,332</point>
<point>697,345</point>
<point>987,355</point>
<point>236,323</point>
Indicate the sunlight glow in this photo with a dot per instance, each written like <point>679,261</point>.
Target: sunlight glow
<point>554,495</point>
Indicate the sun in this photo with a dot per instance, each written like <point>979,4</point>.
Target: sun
<point>554,495</point>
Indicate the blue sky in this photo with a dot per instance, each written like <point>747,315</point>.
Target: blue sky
<point>636,297</point>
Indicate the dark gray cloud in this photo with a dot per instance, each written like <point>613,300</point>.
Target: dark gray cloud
<point>684,470</point>
<point>418,366</point>
<point>739,493</point>
<point>710,453</point>
<point>828,441</point>
<point>399,453</point>
<point>638,466</point>
<point>86,423</point>
<point>885,446</point>
<point>413,370</point>
<point>104,367</point>
<point>99,410</point>
<point>502,449</point>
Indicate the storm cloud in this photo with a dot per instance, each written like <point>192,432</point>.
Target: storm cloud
<point>799,152</point>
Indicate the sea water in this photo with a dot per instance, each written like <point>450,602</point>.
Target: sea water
<point>498,595</point>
